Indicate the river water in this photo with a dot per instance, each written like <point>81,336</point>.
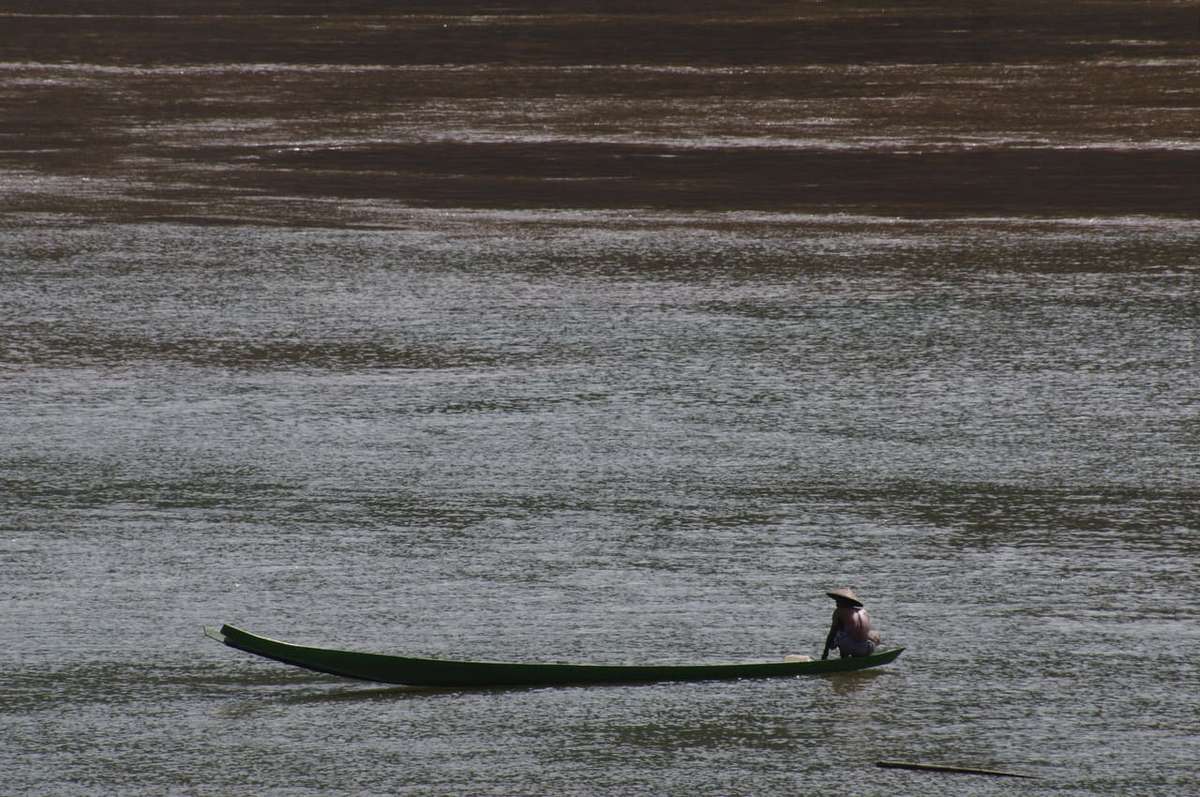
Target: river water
<point>606,333</point>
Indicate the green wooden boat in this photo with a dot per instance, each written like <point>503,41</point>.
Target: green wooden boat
<point>447,673</point>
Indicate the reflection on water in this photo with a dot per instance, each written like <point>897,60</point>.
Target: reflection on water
<point>240,708</point>
<point>381,112</point>
<point>853,685</point>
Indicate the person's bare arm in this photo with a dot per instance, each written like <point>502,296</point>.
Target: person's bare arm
<point>829,637</point>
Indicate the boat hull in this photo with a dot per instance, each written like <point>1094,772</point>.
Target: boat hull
<point>382,668</point>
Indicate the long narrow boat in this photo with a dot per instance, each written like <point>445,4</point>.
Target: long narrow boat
<point>446,673</point>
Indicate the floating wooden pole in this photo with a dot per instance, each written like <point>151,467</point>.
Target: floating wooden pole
<point>995,773</point>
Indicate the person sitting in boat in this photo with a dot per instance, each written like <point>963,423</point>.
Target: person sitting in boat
<point>851,631</point>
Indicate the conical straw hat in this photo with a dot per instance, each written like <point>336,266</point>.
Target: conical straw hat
<point>845,593</point>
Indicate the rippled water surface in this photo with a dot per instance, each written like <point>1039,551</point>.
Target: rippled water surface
<point>608,335</point>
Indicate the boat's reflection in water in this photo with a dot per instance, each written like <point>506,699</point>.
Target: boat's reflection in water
<point>849,684</point>
<point>372,693</point>
<point>843,684</point>
<point>246,708</point>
